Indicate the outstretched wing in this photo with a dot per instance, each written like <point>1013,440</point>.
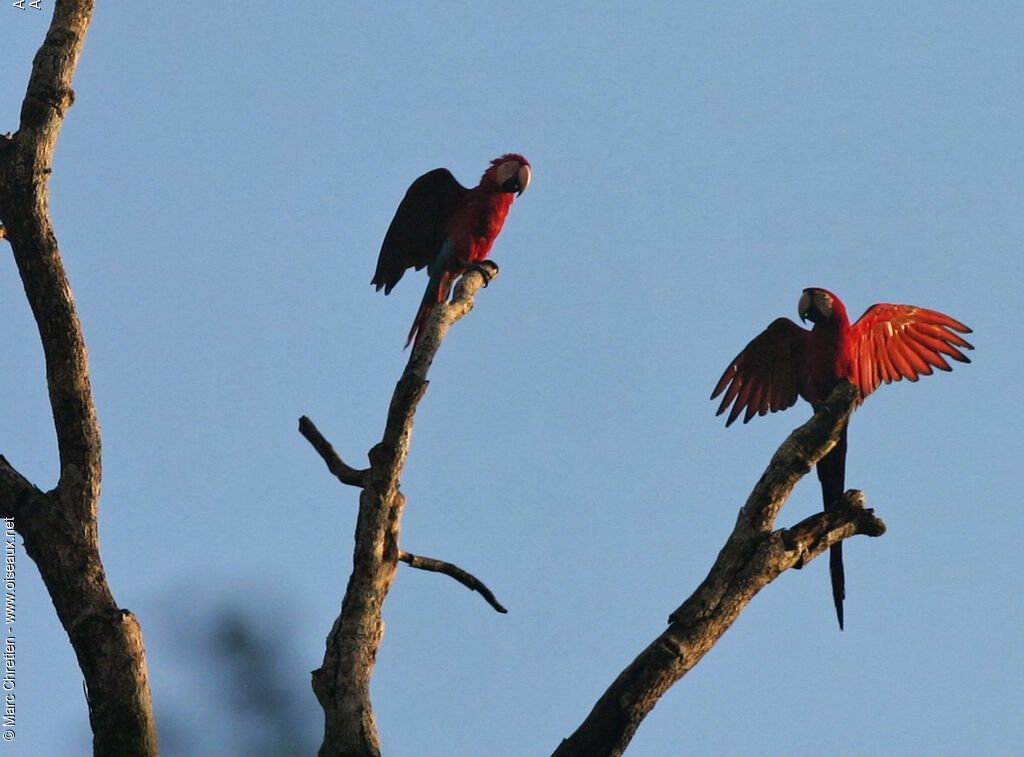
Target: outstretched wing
<point>892,342</point>
<point>764,377</point>
<point>419,227</point>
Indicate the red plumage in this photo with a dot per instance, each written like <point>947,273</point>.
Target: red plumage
<point>785,361</point>
<point>448,228</point>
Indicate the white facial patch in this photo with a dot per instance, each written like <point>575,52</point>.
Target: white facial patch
<point>506,171</point>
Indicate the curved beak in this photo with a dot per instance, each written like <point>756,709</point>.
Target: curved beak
<point>522,179</point>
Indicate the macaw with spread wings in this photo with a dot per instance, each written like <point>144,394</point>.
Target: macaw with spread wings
<point>887,343</point>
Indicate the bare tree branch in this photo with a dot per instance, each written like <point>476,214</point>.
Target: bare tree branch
<point>353,477</point>
<point>468,580</point>
<point>342,683</point>
<point>341,470</point>
<point>59,527</point>
<point>753,556</point>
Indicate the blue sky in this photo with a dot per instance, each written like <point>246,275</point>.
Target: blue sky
<point>220,191</point>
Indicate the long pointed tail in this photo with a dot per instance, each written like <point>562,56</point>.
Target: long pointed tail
<point>836,570</point>
<point>438,288</point>
<point>832,475</point>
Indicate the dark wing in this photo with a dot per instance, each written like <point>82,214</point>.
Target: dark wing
<point>764,377</point>
<point>418,229</point>
<point>892,342</point>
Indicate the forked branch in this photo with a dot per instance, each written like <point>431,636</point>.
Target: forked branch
<point>342,683</point>
<point>59,527</point>
<point>752,557</point>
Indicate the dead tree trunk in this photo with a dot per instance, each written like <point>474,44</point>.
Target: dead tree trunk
<point>59,527</point>
<point>342,683</point>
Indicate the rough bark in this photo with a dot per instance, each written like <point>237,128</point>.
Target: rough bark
<point>753,556</point>
<point>342,683</point>
<point>59,527</point>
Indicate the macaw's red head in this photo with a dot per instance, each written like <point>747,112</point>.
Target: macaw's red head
<point>509,173</point>
<point>819,306</point>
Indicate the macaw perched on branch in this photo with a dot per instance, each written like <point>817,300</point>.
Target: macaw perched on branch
<point>887,343</point>
<point>447,228</point>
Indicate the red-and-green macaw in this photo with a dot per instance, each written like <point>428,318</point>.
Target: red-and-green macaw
<point>447,228</point>
<point>887,343</point>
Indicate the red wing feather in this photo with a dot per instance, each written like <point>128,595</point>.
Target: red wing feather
<point>894,342</point>
<point>764,377</point>
<point>419,227</point>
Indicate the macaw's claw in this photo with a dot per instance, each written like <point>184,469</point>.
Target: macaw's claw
<point>486,268</point>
